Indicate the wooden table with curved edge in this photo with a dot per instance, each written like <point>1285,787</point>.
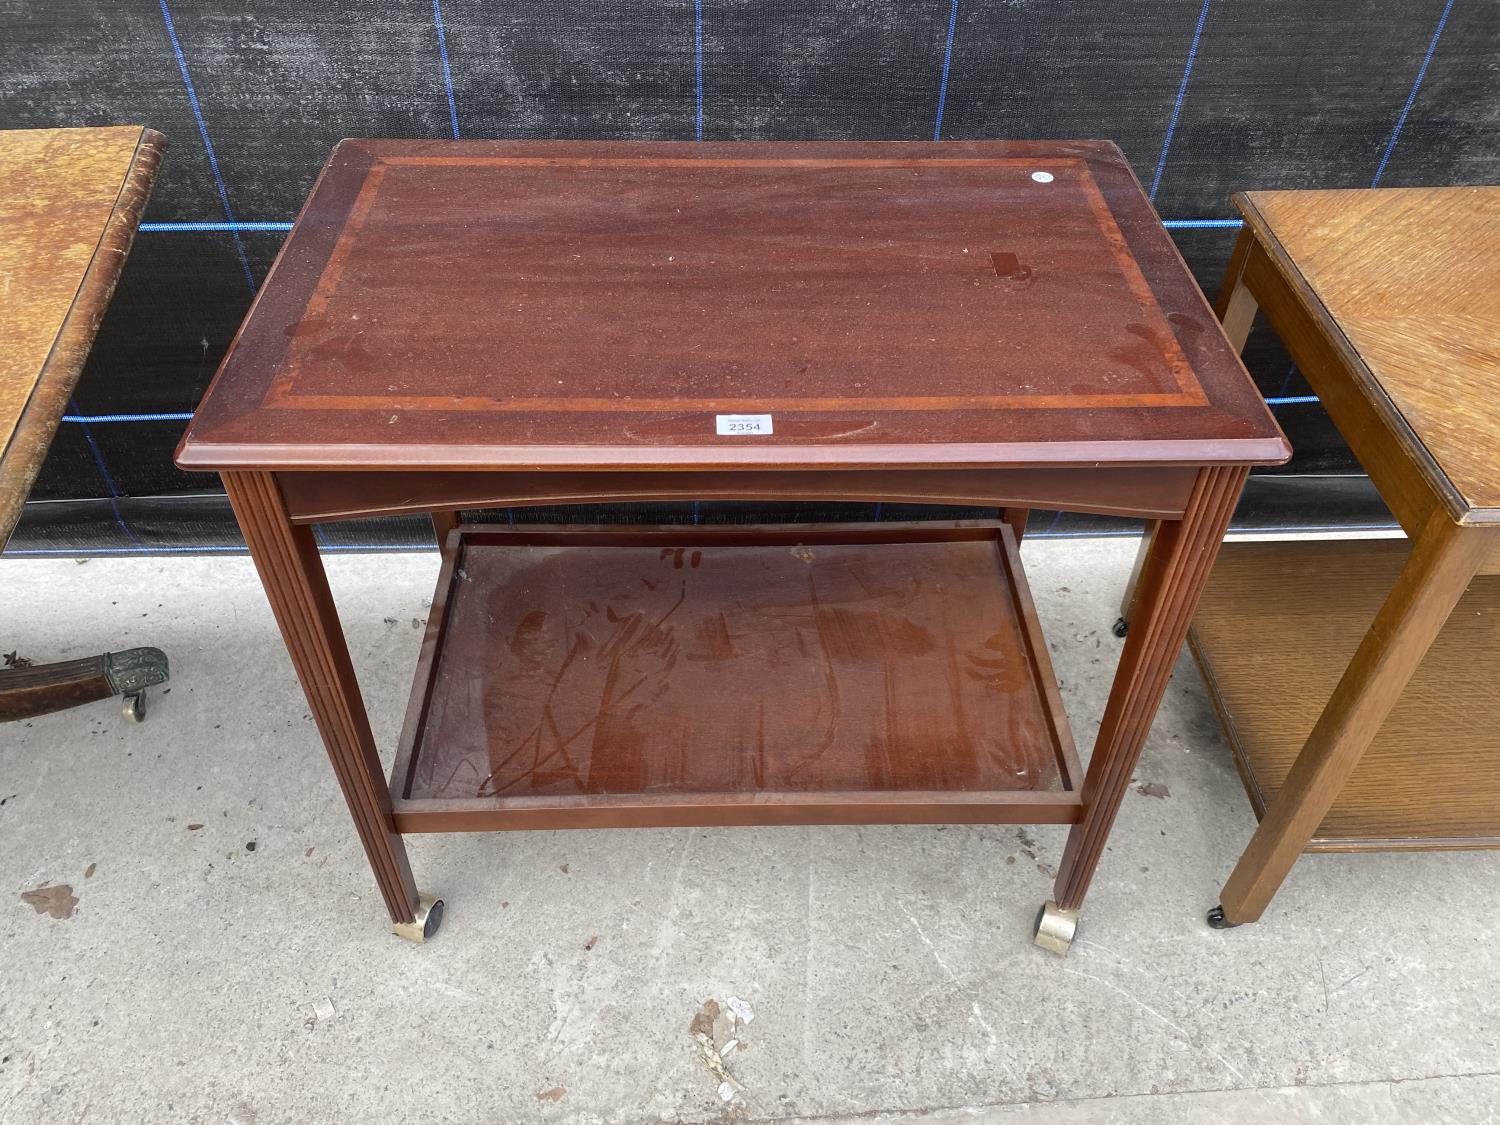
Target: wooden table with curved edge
<point>70,203</point>
<point>459,325</point>
<point>1389,302</point>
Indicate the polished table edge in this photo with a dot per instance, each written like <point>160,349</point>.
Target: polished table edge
<point>206,456</point>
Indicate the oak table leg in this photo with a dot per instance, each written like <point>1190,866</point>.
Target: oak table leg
<point>291,570</point>
<point>1181,555</point>
<point>1236,305</point>
<point>1444,558</point>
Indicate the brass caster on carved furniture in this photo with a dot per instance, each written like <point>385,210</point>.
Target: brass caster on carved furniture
<point>130,673</point>
<point>1217,921</point>
<point>425,925</point>
<point>1055,927</point>
<point>1120,627</point>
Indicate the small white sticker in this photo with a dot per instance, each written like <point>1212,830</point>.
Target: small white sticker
<point>734,425</point>
<point>1042,177</point>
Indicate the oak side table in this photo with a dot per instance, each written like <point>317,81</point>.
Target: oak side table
<point>1389,302</point>
<point>70,203</point>
<point>458,325</point>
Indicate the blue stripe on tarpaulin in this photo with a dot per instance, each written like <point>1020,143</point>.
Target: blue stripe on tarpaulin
<point>95,419</point>
<point>1187,73</point>
<point>1203,224</point>
<point>937,124</point>
<point>213,160</point>
<point>213,228</point>
<point>1411,98</point>
<point>442,34</point>
<point>369,548</point>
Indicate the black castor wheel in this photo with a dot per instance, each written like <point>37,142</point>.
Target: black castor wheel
<point>433,921</point>
<point>1217,921</point>
<point>1121,627</point>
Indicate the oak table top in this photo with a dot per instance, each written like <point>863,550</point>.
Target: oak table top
<point>70,202</point>
<point>525,305</point>
<point>1408,280</point>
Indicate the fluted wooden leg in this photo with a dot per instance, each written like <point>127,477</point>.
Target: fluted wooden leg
<point>292,572</point>
<point>1181,555</point>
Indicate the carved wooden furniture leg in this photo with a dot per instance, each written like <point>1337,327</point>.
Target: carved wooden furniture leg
<point>41,689</point>
<point>1182,554</point>
<point>1444,558</point>
<point>287,558</point>
<point>1016,518</point>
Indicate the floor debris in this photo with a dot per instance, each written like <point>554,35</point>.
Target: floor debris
<point>319,1011</point>
<point>716,1032</point>
<point>59,901</point>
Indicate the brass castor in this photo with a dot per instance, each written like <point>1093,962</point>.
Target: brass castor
<point>134,707</point>
<point>1121,627</point>
<point>425,924</point>
<point>1055,927</point>
<point>1217,921</point>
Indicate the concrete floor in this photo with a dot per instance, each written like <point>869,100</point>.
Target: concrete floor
<point>889,969</point>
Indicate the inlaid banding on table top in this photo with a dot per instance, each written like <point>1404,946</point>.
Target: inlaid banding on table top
<point>1173,379</point>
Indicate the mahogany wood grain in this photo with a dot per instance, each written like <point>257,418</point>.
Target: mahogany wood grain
<point>581,670</point>
<point>1444,558</point>
<point>584,305</point>
<point>70,202</point>
<point>1130,491</point>
<point>734,810</point>
<point>292,573</point>
<point>1276,627</point>
<point>1181,555</point>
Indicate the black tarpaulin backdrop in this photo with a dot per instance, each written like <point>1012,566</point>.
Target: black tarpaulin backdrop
<point>1206,97</point>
